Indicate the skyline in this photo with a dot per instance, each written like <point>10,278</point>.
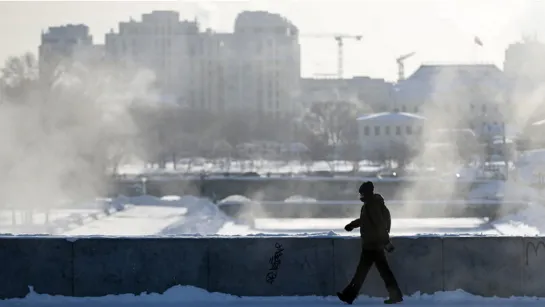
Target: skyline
<point>438,31</point>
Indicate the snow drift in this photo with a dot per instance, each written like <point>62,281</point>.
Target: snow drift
<point>191,296</point>
<point>149,215</point>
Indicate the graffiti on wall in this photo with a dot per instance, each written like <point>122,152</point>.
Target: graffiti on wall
<point>274,262</point>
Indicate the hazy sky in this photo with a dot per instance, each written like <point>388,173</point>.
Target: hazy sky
<point>437,30</point>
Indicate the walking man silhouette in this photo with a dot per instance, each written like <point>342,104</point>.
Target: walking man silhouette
<point>374,224</point>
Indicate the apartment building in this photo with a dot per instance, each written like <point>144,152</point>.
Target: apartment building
<point>66,42</point>
<point>255,68</point>
<point>525,72</point>
<point>523,61</point>
<point>268,63</point>
<point>161,43</point>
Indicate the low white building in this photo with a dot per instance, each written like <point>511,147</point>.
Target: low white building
<point>383,132</point>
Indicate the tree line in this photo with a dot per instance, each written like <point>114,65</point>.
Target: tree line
<point>104,114</point>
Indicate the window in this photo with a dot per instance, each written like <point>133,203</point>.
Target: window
<point>416,110</point>
<point>409,130</point>
<point>419,130</point>
<point>398,130</point>
<point>403,109</point>
<point>366,130</point>
<point>484,108</point>
<point>387,130</point>
<point>377,130</point>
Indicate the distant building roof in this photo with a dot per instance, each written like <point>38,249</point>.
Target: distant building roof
<point>262,20</point>
<point>395,117</point>
<point>459,70</point>
<point>427,78</point>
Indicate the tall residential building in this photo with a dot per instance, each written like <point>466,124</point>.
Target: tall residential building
<point>524,68</point>
<point>63,42</point>
<point>268,60</point>
<point>256,68</point>
<point>524,61</point>
<point>212,84</point>
<point>161,43</point>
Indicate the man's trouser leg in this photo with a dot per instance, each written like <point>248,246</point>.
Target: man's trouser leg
<point>386,274</point>
<point>364,265</point>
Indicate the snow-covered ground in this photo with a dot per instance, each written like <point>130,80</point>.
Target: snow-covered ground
<point>293,167</point>
<point>194,297</point>
<point>530,221</point>
<point>51,221</point>
<point>134,221</point>
<point>172,215</point>
<point>38,216</point>
<point>188,215</point>
<point>261,166</point>
<point>148,215</point>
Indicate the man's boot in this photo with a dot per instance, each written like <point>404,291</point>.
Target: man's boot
<point>348,295</point>
<point>395,296</point>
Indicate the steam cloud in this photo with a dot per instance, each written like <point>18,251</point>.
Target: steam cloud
<point>58,145</point>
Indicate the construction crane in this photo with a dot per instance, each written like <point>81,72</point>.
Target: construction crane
<point>401,66</point>
<point>340,47</point>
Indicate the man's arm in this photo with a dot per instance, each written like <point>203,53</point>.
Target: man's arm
<point>355,223</point>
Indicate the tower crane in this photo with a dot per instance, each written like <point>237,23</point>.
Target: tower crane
<point>340,47</point>
<point>401,66</point>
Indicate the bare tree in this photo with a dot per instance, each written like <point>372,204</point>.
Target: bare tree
<point>352,152</point>
<point>222,150</point>
<point>19,78</point>
<point>233,127</point>
<point>402,153</point>
<point>333,120</point>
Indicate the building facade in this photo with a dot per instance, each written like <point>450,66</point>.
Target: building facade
<point>523,61</point>
<point>161,43</point>
<point>66,42</point>
<point>267,64</point>
<point>385,133</point>
<point>256,68</point>
<point>525,72</point>
<point>375,94</point>
<point>472,96</point>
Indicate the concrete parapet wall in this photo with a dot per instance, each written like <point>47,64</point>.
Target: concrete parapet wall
<point>266,266</point>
